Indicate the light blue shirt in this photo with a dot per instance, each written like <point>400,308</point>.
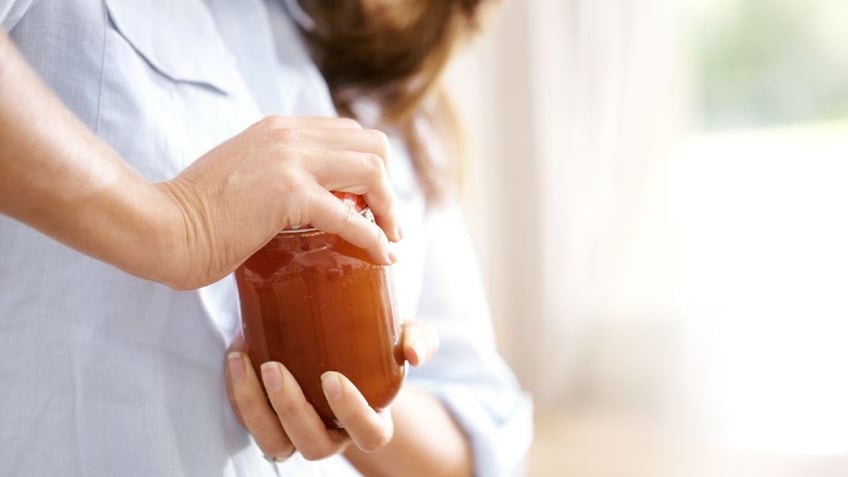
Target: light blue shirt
<point>105,374</point>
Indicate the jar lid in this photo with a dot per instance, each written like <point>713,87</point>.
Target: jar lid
<point>355,201</point>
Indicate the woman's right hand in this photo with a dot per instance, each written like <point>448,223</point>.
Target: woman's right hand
<point>58,177</point>
<point>277,173</point>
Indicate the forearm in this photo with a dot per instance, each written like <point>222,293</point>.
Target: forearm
<point>58,177</point>
<point>426,442</point>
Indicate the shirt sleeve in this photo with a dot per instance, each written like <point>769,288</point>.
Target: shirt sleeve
<point>11,12</point>
<point>467,374</point>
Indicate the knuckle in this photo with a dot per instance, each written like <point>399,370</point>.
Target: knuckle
<point>377,440</point>
<point>277,450</point>
<point>349,122</point>
<point>381,138</point>
<point>290,182</point>
<point>273,122</point>
<point>249,403</point>
<point>350,216</point>
<point>286,135</point>
<point>309,455</point>
<point>316,452</point>
<point>375,165</point>
<point>288,407</point>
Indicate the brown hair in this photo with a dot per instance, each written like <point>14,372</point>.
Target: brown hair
<point>392,53</point>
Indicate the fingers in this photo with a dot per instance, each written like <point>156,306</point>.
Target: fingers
<point>345,170</point>
<point>420,342</point>
<point>341,156</point>
<point>358,173</point>
<point>370,141</point>
<point>354,160</point>
<point>331,215</point>
<point>289,422</point>
<point>251,407</point>
<point>368,429</point>
<point>298,417</point>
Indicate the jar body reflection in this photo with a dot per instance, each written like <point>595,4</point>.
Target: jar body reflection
<point>316,303</point>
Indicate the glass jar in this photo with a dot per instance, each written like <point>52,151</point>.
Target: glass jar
<point>313,302</point>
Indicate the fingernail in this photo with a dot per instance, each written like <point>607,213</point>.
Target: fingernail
<point>236,365</point>
<point>332,384</point>
<point>399,232</point>
<point>272,377</point>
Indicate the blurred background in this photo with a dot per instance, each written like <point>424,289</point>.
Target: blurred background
<point>657,191</point>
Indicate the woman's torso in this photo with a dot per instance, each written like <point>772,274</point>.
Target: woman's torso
<point>104,373</point>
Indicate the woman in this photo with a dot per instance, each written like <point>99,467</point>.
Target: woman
<point>111,374</point>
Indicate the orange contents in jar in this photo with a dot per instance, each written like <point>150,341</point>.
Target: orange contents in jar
<point>316,303</point>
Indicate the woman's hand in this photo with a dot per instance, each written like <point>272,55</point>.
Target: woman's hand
<point>278,173</point>
<point>288,423</point>
<point>58,177</point>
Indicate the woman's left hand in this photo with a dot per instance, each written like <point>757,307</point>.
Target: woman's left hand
<point>282,421</point>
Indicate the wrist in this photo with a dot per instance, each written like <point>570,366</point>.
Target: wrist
<point>169,237</point>
<point>142,231</point>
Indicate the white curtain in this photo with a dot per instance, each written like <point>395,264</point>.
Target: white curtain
<point>573,107</point>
